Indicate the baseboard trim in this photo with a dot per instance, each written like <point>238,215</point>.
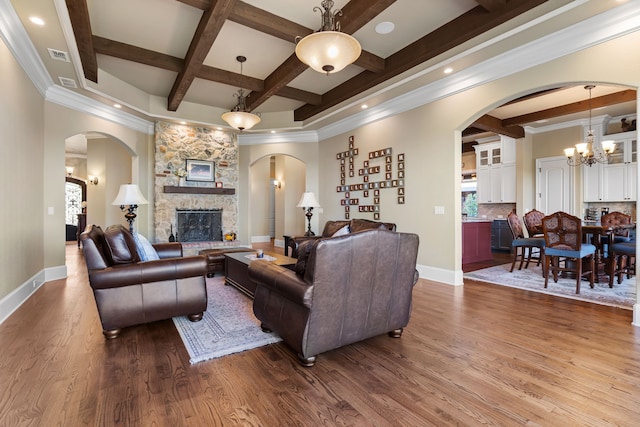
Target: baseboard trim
<point>260,239</point>
<point>448,277</point>
<point>278,243</point>
<point>22,293</point>
<point>636,315</point>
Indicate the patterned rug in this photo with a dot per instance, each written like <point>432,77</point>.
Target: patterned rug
<point>228,326</point>
<point>623,295</point>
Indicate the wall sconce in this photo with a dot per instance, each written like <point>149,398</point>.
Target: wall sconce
<point>93,180</point>
<point>277,184</point>
<point>69,170</point>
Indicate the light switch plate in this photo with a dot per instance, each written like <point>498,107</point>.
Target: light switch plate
<point>438,210</point>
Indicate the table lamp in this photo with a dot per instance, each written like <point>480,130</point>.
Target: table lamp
<point>129,197</point>
<point>308,201</point>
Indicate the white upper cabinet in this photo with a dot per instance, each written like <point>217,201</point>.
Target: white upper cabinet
<point>496,172</point>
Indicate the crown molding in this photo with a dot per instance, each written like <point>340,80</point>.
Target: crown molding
<point>278,138</point>
<point>18,42</point>
<point>75,101</point>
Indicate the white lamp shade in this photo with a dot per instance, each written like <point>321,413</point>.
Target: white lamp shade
<point>129,194</point>
<point>241,120</point>
<point>308,200</point>
<point>328,51</point>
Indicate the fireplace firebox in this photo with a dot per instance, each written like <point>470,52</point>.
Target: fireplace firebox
<point>199,225</point>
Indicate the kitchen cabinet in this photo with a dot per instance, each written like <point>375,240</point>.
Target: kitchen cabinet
<point>496,171</point>
<point>614,181</point>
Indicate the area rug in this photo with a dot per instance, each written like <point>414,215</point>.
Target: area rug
<point>228,326</point>
<point>621,295</point>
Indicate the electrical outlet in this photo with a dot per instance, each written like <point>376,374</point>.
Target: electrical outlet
<point>438,210</point>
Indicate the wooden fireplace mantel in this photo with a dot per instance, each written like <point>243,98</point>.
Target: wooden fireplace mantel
<point>198,190</point>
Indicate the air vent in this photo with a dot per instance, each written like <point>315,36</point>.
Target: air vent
<point>66,82</point>
<point>58,55</point>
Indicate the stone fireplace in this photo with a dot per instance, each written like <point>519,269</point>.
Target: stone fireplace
<point>198,205</point>
<point>200,225</point>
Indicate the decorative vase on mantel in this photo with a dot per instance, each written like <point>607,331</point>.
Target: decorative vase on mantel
<point>180,181</point>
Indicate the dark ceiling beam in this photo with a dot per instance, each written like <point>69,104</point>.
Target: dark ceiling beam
<point>139,55</point>
<point>276,26</point>
<point>575,107</point>
<point>79,16</point>
<point>489,123</point>
<point>208,29</point>
<point>492,5</point>
<point>292,67</point>
<point>461,29</point>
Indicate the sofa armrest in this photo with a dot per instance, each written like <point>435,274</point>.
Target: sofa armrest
<point>147,272</point>
<point>168,250</point>
<point>295,241</point>
<point>282,281</point>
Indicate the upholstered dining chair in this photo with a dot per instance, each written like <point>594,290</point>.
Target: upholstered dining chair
<point>564,250</point>
<point>533,223</point>
<point>613,219</point>
<point>622,260</point>
<point>523,247</point>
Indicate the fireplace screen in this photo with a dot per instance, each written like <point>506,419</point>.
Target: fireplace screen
<point>201,225</point>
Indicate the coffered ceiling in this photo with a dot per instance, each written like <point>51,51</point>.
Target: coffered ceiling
<point>176,59</point>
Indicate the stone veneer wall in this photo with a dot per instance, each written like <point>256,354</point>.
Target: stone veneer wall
<point>174,144</point>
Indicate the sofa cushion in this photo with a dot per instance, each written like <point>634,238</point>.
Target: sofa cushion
<point>342,231</point>
<point>365,224</point>
<point>304,249</point>
<point>121,245</point>
<point>331,227</point>
<point>145,250</point>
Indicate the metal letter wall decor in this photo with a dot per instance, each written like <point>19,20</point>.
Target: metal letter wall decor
<point>362,188</point>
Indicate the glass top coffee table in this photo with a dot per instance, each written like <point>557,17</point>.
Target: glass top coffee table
<point>236,268</point>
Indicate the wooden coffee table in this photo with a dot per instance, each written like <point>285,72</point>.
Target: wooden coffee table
<point>236,269</point>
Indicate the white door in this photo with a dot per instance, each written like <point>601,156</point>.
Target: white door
<point>554,185</point>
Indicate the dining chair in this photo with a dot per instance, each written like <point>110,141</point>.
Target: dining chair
<point>523,247</point>
<point>533,223</point>
<point>613,219</point>
<point>564,249</point>
<point>622,260</point>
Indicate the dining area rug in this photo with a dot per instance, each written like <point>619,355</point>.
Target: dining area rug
<point>228,326</point>
<point>621,295</point>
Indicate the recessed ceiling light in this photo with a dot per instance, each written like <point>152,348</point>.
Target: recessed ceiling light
<point>273,131</point>
<point>448,70</point>
<point>542,121</point>
<point>117,105</point>
<point>364,106</point>
<point>385,27</point>
<point>36,20</point>
<point>183,122</point>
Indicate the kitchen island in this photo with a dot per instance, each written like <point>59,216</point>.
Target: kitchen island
<point>476,240</point>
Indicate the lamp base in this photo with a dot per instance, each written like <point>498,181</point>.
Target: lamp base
<point>309,214</point>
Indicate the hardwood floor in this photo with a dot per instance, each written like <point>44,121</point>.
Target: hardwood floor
<point>472,355</point>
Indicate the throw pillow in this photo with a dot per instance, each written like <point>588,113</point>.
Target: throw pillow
<point>341,232</point>
<point>304,249</point>
<point>121,245</point>
<point>145,249</point>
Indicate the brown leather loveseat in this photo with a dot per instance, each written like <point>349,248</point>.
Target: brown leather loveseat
<point>339,228</point>
<point>131,292</point>
<point>349,289</point>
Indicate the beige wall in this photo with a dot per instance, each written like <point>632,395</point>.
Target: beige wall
<point>111,163</point>
<point>430,138</point>
<point>23,177</point>
<point>307,153</point>
<point>61,123</point>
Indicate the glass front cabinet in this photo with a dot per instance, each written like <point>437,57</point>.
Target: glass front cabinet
<point>614,181</point>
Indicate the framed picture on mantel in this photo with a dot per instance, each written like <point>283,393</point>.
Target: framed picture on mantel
<point>200,170</point>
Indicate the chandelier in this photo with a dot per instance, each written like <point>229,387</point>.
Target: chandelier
<point>588,153</point>
<point>328,50</point>
<point>239,118</point>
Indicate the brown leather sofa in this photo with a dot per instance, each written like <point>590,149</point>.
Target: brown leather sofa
<point>350,288</point>
<point>130,292</point>
<point>338,228</point>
